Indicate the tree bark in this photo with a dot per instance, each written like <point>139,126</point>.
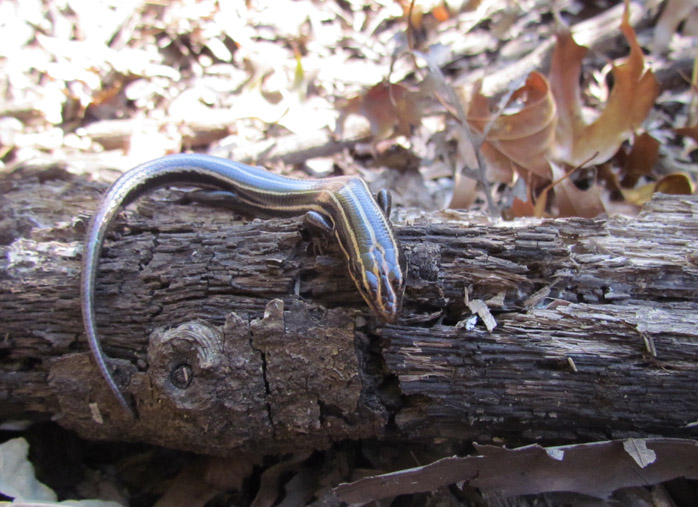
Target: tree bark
<point>233,335</point>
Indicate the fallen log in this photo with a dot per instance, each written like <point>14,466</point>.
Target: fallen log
<point>231,334</point>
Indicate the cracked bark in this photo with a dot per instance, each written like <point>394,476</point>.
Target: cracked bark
<point>231,334</point>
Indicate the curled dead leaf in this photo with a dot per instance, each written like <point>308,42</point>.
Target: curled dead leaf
<point>632,96</point>
<point>676,184</point>
<point>523,136</point>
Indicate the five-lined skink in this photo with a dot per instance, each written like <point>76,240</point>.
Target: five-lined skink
<point>342,206</point>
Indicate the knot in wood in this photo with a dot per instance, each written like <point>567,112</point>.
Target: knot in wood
<point>185,361</point>
<point>182,376</point>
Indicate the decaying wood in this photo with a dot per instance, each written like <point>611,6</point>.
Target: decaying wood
<point>232,334</point>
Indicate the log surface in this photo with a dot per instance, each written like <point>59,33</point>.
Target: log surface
<point>233,334</point>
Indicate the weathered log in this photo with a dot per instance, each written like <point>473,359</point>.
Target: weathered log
<point>231,334</point>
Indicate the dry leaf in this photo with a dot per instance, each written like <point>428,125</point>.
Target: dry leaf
<point>464,192</point>
<point>525,136</point>
<point>573,202</point>
<point>641,159</point>
<point>391,109</point>
<point>634,92</point>
<point>595,469</point>
<point>499,167</point>
<point>519,209</point>
<point>525,208</point>
<point>639,195</point>
<point>675,183</point>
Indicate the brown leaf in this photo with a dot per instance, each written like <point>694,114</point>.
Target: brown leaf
<point>525,136</point>
<point>634,92</point>
<point>641,159</point>
<point>464,192</point>
<point>595,469</point>
<point>519,209</point>
<point>639,195</point>
<point>527,208</point>
<point>572,201</point>
<point>499,167</point>
<point>675,183</point>
<point>391,109</point>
